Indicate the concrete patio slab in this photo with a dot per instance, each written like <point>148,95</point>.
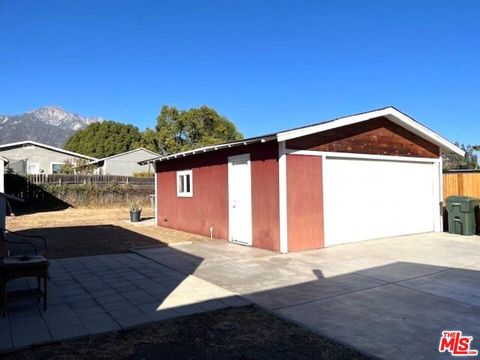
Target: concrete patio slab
<point>390,298</point>
<point>92,295</point>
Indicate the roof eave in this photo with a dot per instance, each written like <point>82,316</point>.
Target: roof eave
<point>415,127</point>
<point>126,153</point>
<point>54,148</point>
<point>209,149</point>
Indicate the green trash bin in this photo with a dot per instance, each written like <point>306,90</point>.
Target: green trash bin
<point>462,214</point>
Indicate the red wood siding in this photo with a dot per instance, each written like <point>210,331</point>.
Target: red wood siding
<point>209,204</point>
<point>265,202</point>
<point>304,202</point>
<point>377,136</point>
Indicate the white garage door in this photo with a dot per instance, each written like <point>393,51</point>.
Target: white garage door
<point>371,199</point>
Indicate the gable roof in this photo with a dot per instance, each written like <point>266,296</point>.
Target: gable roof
<point>125,153</point>
<point>390,113</point>
<point>53,148</point>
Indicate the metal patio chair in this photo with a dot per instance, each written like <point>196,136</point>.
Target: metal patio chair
<point>15,265</point>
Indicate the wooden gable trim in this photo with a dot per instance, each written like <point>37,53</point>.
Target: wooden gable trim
<point>378,136</point>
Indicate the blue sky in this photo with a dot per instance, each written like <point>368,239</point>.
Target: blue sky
<point>266,65</point>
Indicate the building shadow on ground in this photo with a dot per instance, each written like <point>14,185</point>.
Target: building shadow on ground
<point>75,241</point>
<point>28,198</point>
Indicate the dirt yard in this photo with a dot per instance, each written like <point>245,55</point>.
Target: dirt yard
<point>81,232</point>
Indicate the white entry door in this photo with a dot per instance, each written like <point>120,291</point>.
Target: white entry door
<point>240,199</point>
<point>371,199</point>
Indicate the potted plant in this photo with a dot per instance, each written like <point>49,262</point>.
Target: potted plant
<point>135,208</point>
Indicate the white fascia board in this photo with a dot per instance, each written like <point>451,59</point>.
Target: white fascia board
<point>260,139</point>
<point>349,120</point>
<point>407,122</point>
<point>391,113</point>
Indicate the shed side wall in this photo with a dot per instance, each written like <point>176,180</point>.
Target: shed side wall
<point>207,208</point>
<point>209,204</point>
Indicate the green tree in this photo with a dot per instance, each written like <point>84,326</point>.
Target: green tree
<point>469,161</point>
<point>102,139</point>
<point>149,140</point>
<point>181,130</point>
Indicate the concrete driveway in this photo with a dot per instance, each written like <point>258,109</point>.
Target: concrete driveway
<point>390,298</point>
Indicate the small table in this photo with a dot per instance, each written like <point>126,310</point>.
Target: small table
<point>14,267</point>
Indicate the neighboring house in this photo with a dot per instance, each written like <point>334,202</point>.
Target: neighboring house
<point>126,163</point>
<point>372,175</point>
<point>31,157</point>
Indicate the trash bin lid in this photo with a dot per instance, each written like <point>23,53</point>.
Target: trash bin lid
<point>462,199</point>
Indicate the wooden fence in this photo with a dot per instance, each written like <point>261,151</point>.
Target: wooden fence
<point>461,183</point>
<point>62,191</point>
<point>89,179</point>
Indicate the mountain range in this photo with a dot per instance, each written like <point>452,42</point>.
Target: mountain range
<point>50,125</point>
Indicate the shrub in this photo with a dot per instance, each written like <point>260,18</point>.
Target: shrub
<point>134,204</point>
<point>91,195</point>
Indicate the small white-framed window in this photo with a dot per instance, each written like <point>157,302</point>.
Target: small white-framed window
<point>184,183</point>
<point>56,168</point>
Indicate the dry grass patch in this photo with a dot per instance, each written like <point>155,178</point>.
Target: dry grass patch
<point>81,232</point>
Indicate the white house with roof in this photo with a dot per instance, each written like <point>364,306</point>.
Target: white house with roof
<point>32,157</point>
<point>126,163</point>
